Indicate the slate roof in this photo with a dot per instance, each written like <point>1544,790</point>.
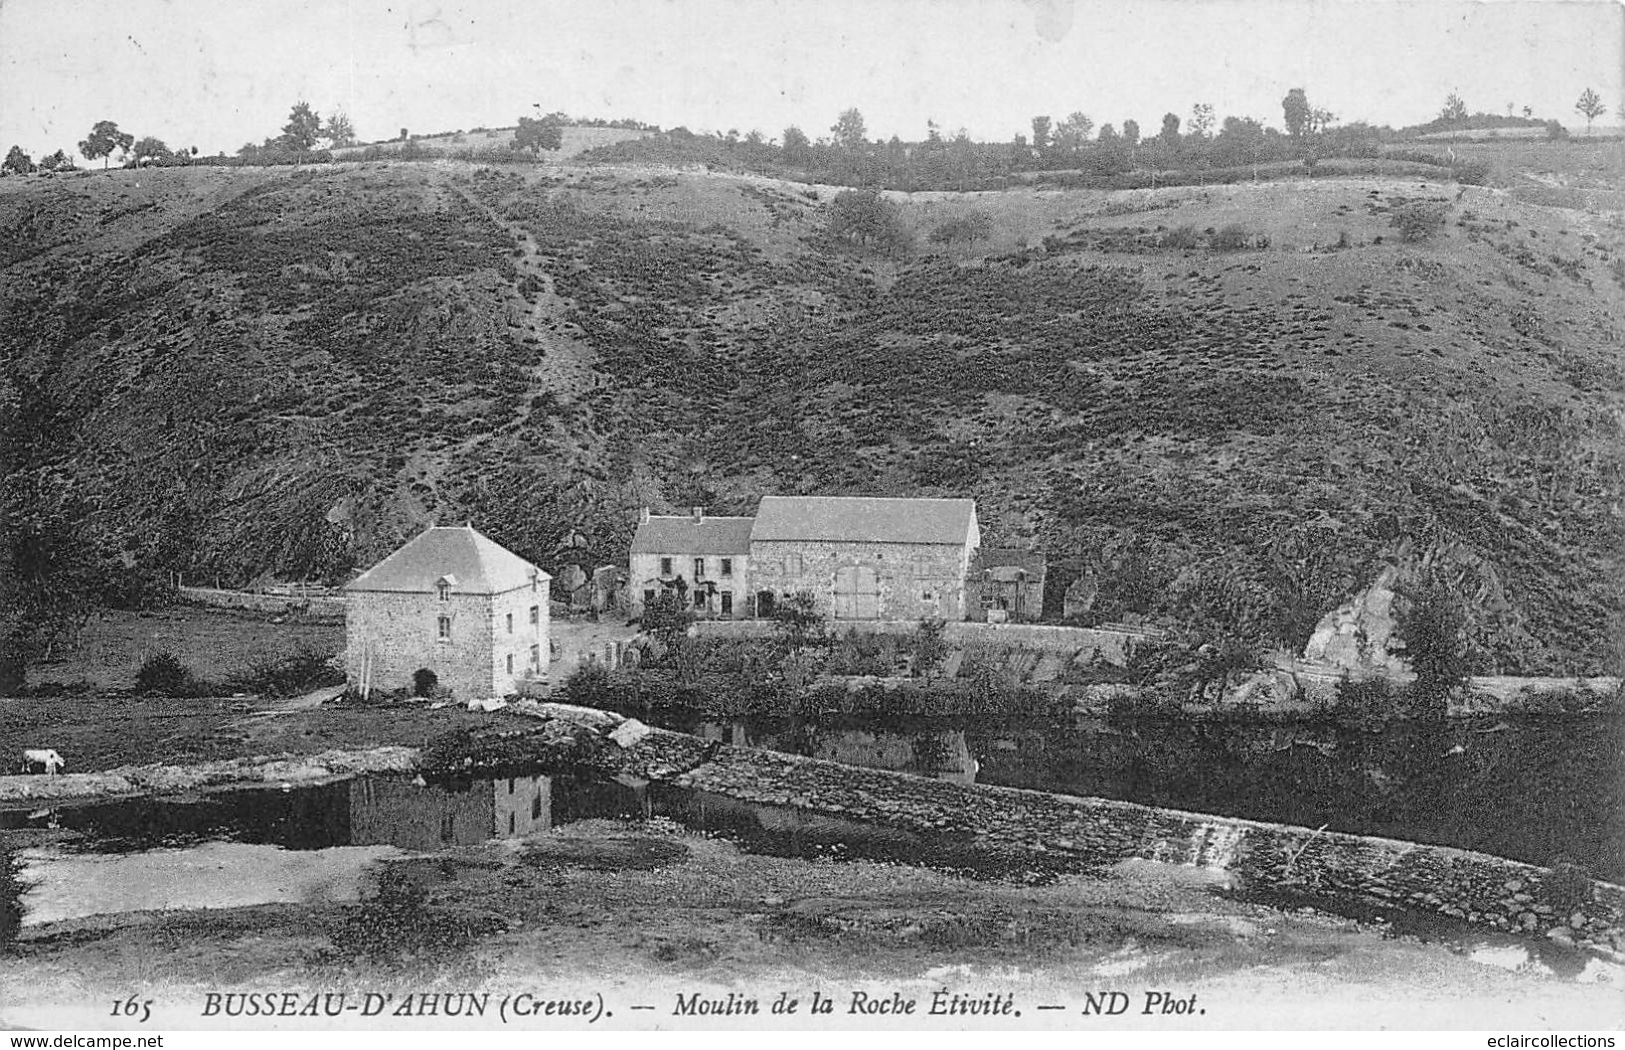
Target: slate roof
<point>992,559</point>
<point>476,563</point>
<point>865,519</point>
<point>681,534</point>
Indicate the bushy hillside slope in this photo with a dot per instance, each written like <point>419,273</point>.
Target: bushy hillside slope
<point>287,372</point>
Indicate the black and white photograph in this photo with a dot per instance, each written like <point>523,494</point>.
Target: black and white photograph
<point>907,516</point>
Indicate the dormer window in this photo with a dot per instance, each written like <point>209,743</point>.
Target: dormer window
<point>443,586</point>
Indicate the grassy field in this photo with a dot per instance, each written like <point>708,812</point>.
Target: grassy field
<point>215,644</point>
<point>331,358</point>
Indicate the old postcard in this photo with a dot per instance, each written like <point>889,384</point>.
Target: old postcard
<point>1025,515</point>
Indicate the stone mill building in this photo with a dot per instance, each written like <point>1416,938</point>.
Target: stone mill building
<point>865,558</point>
<point>454,603</point>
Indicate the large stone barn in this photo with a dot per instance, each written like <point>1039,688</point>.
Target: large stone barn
<point>864,558</point>
<point>702,559</point>
<point>452,603</point>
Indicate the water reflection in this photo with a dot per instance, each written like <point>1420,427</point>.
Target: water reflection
<point>406,814</point>
<point>1535,789</point>
<point>313,845</point>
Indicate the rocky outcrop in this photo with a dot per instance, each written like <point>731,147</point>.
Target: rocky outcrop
<point>1358,635</point>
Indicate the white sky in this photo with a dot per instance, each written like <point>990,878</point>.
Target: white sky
<point>218,73</point>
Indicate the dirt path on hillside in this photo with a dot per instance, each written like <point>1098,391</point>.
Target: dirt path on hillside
<point>567,364</point>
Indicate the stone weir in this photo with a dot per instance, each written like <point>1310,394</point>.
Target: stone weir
<point>1365,871</point>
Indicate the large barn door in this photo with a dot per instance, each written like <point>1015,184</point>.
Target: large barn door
<point>857,593</point>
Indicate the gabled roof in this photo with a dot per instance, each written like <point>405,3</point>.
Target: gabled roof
<point>473,563</point>
<point>865,519</point>
<point>991,558</point>
<point>681,534</point>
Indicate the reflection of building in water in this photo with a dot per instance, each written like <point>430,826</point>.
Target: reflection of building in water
<point>401,813</point>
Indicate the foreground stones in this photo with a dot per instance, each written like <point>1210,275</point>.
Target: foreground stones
<point>555,738</point>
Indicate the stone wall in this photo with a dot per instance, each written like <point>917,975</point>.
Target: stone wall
<point>915,581</point>
<point>275,604</point>
<point>1066,641</point>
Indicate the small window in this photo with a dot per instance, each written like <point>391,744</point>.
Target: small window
<point>665,566</point>
<point>535,656</point>
<point>699,568</point>
<point>926,596</point>
<point>648,596</point>
<point>699,599</point>
<point>443,628</point>
<point>510,623</point>
<point>727,604</point>
<point>535,614</point>
<point>510,785</point>
<point>510,823</point>
<point>792,564</point>
<point>727,566</point>
<point>510,663</point>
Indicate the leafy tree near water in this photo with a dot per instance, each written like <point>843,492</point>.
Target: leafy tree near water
<point>1431,628</point>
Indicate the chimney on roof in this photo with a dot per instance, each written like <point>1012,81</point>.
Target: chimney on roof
<point>697,513</point>
<point>643,515</point>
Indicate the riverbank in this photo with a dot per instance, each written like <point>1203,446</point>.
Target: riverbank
<point>643,913</point>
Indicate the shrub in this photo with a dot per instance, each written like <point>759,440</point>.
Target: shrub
<point>1180,237</point>
<point>163,674</point>
<point>589,686</point>
<point>302,671</point>
<point>1232,238</point>
<point>1419,220</point>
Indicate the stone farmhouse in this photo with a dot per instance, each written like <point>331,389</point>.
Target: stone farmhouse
<point>865,558</point>
<point>454,603</point>
<point>702,559</point>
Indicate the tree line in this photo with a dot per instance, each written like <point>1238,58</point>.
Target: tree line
<point>848,156</point>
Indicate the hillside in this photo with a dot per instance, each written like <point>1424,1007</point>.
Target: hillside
<point>241,372</point>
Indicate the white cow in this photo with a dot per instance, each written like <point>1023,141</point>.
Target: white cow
<point>45,758</point>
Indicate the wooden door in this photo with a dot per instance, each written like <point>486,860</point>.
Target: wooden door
<point>857,593</point>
